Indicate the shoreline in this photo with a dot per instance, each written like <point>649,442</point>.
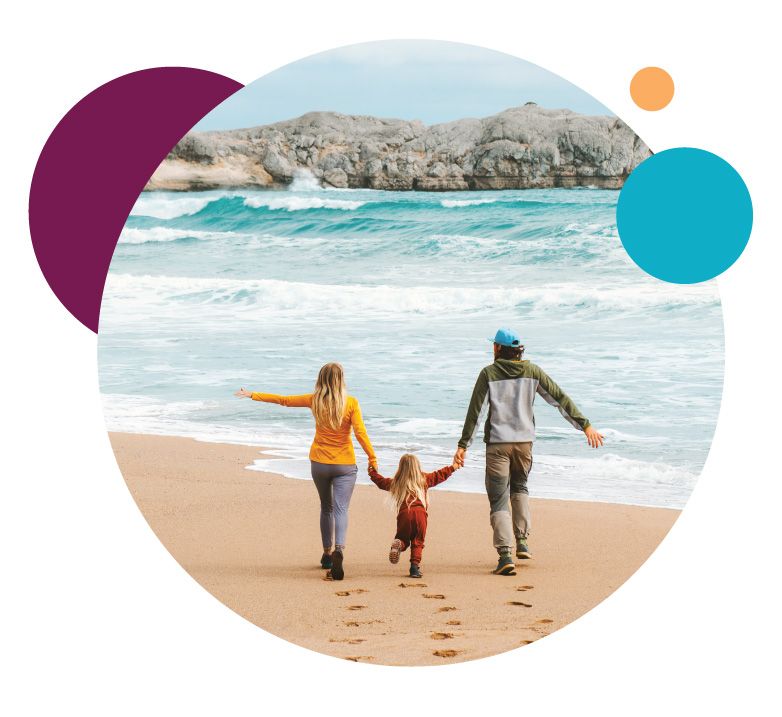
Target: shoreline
<point>267,454</point>
<point>252,541</point>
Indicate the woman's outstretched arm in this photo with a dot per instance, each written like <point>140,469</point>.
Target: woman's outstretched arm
<point>361,434</point>
<point>303,400</point>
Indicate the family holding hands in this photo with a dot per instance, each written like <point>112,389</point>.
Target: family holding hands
<point>504,392</point>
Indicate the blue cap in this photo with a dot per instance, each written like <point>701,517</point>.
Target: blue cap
<point>506,337</point>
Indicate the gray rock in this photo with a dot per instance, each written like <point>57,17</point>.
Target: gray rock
<point>437,170</point>
<point>519,148</point>
<point>336,178</point>
<point>279,167</point>
<point>373,168</point>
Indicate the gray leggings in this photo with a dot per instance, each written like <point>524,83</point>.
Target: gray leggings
<point>335,484</point>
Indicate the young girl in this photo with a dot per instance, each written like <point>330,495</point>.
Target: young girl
<point>409,488</point>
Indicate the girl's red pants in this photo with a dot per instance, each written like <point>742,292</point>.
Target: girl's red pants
<point>411,530</point>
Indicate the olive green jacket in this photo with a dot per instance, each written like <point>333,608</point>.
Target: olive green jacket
<point>506,391</point>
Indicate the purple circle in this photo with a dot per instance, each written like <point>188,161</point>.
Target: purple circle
<point>95,164</point>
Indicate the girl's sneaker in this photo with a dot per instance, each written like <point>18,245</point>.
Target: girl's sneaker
<point>326,562</point>
<point>415,571</point>
<point>396,547</point>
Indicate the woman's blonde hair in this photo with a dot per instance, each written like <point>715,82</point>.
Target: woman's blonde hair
<point>330,396</point>
<point>409,482</point>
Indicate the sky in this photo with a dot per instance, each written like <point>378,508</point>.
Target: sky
<point>428,80</point>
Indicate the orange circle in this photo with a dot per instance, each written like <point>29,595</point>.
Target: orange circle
<point>651,88</point>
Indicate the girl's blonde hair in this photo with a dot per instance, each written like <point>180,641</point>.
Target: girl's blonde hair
<point>330,396</point>
<point>409,482</point>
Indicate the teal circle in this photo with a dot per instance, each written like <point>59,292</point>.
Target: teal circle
<point>684,215</point>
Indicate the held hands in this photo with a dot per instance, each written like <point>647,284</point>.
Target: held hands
<point>243,393</point>
<point>372,466</point>
<point>594,439</point>
<point>458,458</point>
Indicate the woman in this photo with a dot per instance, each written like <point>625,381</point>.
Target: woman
<point>332,459</point>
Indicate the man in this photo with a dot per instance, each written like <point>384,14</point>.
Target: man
<point>507,388</point>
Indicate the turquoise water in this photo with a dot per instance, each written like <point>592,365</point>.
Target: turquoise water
<point>211,291</point>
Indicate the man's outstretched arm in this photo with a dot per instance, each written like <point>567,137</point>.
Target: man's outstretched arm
<point>555,396</point>
<point>594,438</point>
<point>472,419</point>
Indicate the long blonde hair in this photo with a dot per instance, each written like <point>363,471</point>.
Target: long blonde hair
<point>409,482</point>
<point>330,396</point>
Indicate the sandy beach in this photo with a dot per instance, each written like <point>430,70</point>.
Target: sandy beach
<point>252,540</point>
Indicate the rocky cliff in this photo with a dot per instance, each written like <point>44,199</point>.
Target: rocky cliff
<point>520,148</point>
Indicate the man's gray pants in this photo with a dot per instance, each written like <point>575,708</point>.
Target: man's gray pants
<point>507,468</point>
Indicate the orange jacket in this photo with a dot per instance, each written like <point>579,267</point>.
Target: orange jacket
<point>330,446</point>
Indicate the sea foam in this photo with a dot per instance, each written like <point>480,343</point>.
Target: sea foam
<point>293,203</point>
<point>131,235</point>
<point>451,203</point>
<point>167,207</point>
<point>272,296</point>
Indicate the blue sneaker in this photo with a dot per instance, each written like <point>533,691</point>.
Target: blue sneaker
<point>505,565</point>
<point>415,571</point>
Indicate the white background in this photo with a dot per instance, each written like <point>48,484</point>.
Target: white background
<point>97,618</point>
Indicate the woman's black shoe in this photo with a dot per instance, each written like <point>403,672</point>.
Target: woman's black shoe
<point>337,573</point>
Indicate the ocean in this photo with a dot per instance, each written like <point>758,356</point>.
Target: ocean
<point>212,291</point>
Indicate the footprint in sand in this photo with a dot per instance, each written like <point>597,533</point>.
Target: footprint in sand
<point>356,607</point>
<point>454,622</point>
<point>413,585</point>
<point>447,608</point>
<point>434,596</point>
<point>345,593</point>
<point>545,621</point>
<point>524,588</point>
<point>442,635</point>
<point>349,640</point>
<point>359,658</point>
<point>446,653</point>
<point>526,642</point>
<point>520,604</point>
<point>540,627</point>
